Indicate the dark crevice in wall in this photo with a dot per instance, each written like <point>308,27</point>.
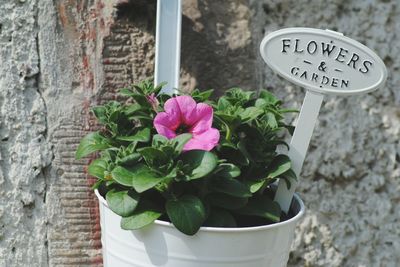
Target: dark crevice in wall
<point>139,11</point>
<point>45,171</point>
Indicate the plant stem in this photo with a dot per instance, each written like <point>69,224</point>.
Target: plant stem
<point>228,135</point>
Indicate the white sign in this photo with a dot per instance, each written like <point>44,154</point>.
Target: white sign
<point>323,61</point>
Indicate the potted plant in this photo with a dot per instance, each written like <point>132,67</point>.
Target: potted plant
<point>184,180</point>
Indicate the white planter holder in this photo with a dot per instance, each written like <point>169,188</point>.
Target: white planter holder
<point>161,244</point>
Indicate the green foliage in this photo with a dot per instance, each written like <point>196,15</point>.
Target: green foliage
<point>262,206</point>
<point>141,136</point>
<point>228,170</point>
<point>140,219</point>
<point>220,218</point>
<point>122,203</point>
<point>225,201</point>
<point>145,213</point>
<point>140,177</point>
<point>230,187</point>
<point>144,175</point>
<point>97,168</point>
<point>91,143</point>
<point>279,165</point>
<point>198,163</point>
<point>187,213</point>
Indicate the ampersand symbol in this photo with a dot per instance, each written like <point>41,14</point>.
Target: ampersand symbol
<point>322,66</point>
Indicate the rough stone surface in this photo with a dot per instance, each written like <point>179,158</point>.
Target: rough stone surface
<point>351,178</point>
<point>58,57</point>
<point>70,38</point>
<point>217,49</point>
<point>24,152</point>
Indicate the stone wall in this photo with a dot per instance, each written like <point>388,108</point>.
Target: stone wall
<point>351,179</point>
<point>59,57</point>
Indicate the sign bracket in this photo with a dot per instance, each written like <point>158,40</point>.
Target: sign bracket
<point>168,44</point>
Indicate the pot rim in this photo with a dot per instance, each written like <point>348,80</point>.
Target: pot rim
<point>292,220</point>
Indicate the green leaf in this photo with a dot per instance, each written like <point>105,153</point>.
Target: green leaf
<point>223,104</point>
<point>226,201</point>
<point>145,214</point>
<point>97,168</point>
<point>187,213</point>
<point>139,219</point>
<point>156,90</point>
<point>289,110</point>
<point>201,96</point>
<point>159,140</point>
<point>271,120</point>
<point>230,187</point>
<point>220,218</point>
<point>179,142</point>
<point>250,114</point>
<point>288,177</point>
<point>100,113</point>
<point>146,180</point>
<point>126,92</point>
<point>97,184</point>
<point>140,99</point>
<point>246,154</point>
<point>122,203</point>
<point>260,103</point>
<point>228,119</point>
<point>254,186</point>
<point>262,206</point>
<point>234,155</point>
<point>141,115</point>
<point>129,159</point>
<point>153,156</point>
<point>290,129</point>
<point>123,176</point>
<point>238,96</point>
<point>278,143</point>
<point>228,170</point>
<point>130,109</point>
<point>140,177</point>
<point>141,136</point>
<point>91,143</point>
<point>269,98</point>
<point>279,165</point>
<point>198,163</point>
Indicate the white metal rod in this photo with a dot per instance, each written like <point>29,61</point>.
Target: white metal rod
<point>299,145</point>
<point>168,44</point>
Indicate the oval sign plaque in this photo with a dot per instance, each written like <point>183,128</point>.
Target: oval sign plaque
<point>323,61</point>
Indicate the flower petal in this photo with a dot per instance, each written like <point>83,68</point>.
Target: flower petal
<point>166,124</point>
<point>184,106</point>
<point>204,141</point>
<point>165,132</point>
<point>204,119</point>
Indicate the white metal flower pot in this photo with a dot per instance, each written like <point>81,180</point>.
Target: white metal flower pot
<point>161,244</point>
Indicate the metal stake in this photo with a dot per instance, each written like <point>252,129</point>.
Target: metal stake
<point>299,145</point>
<point>168,44</point>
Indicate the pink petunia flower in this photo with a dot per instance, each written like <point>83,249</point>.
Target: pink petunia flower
<point>183,115</point>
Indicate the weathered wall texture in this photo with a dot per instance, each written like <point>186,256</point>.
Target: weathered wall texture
<point>351,180</point>
<point>51,72</point>
<point>58,57</point>
<point>24,150</point>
